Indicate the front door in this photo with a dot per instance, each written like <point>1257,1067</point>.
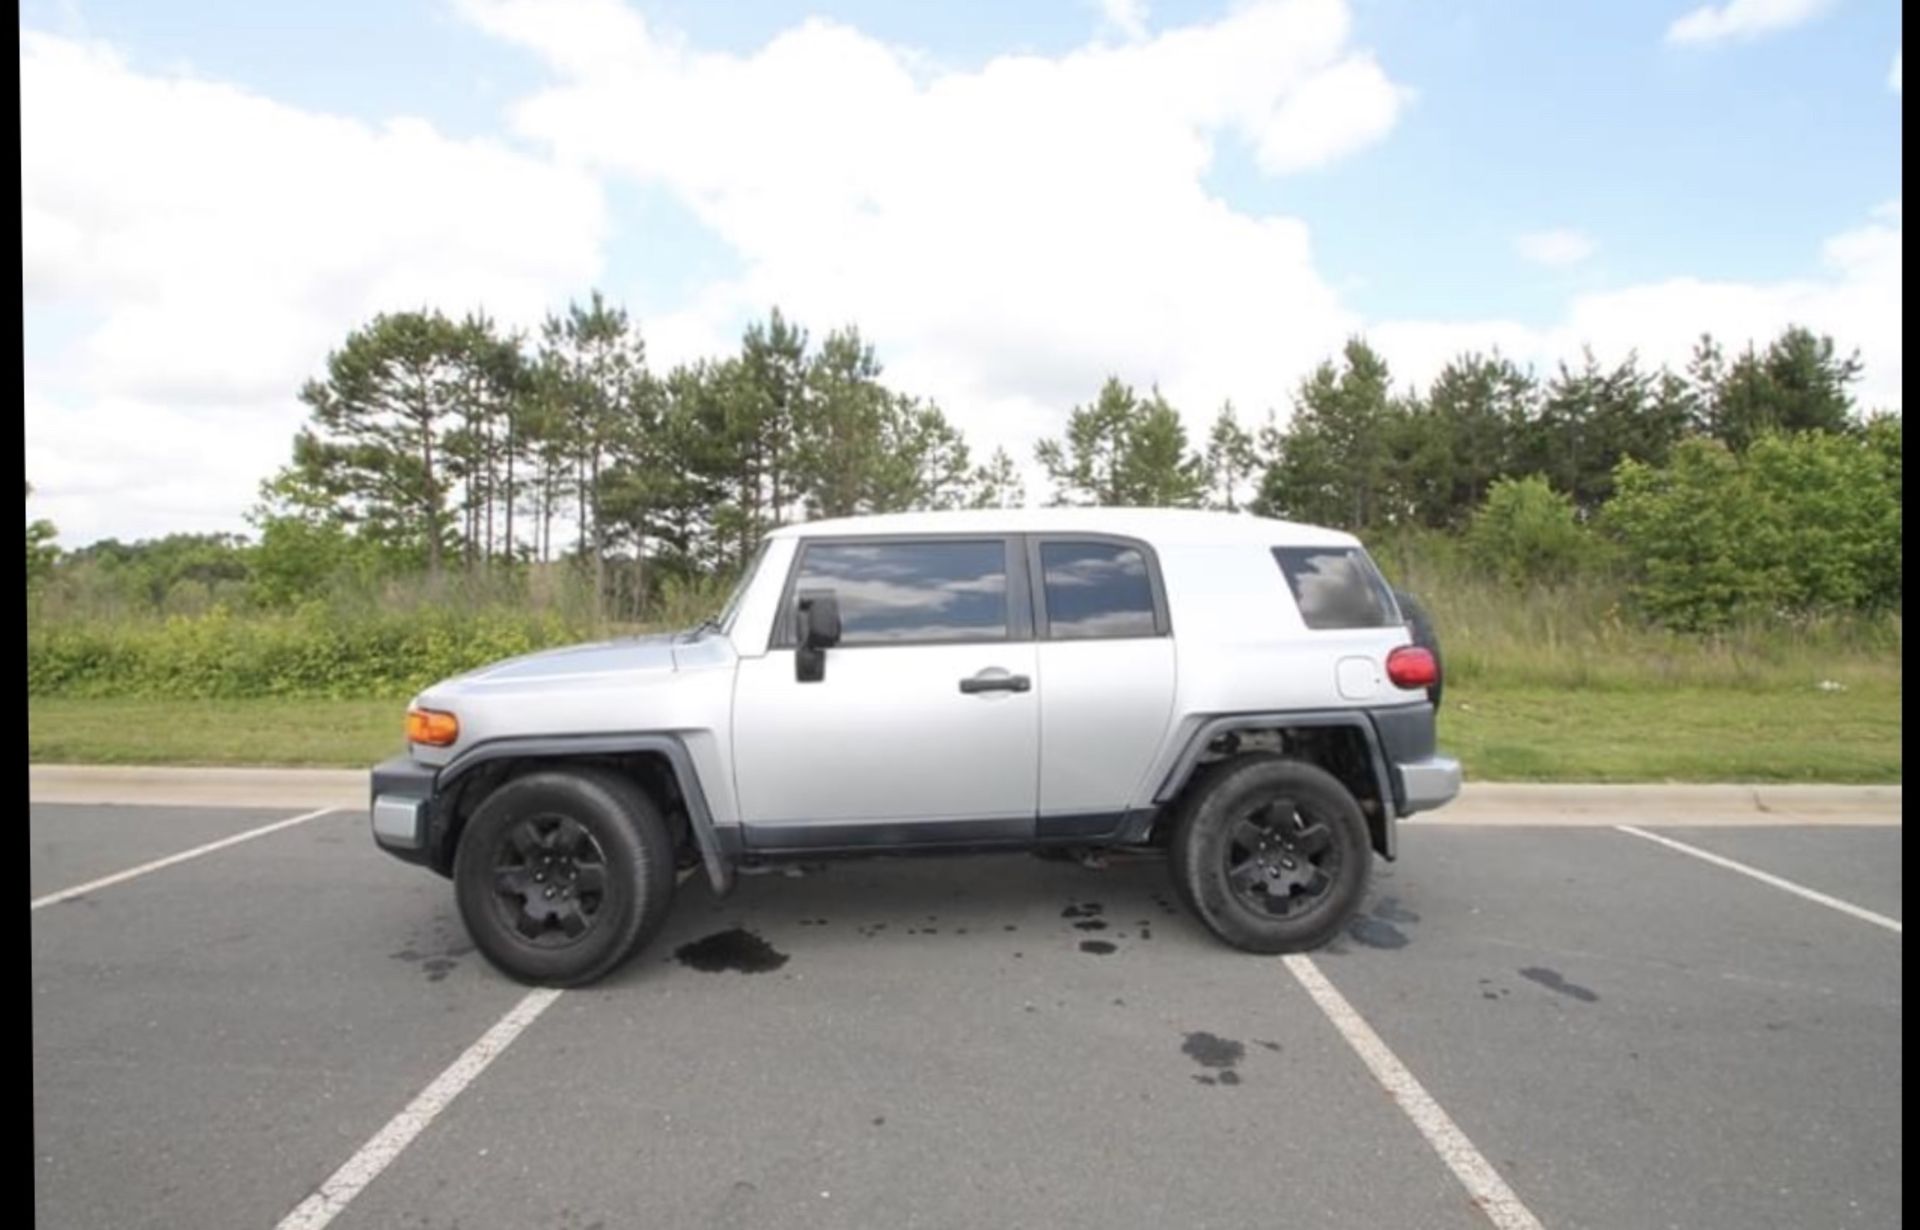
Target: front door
<point>924,728</point>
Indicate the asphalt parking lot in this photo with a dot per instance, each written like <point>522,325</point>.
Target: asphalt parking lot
<point>1620,1032</point>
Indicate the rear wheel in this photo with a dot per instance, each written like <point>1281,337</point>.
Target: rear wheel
<point>561,874</point>
<point>1272,854</point>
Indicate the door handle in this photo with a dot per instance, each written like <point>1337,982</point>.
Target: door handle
<point>994,679</point>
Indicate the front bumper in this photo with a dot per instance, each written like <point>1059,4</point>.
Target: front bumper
<point>1429,783</point>
<point>401,808</point>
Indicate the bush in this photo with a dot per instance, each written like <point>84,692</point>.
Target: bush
<point>1526,533</point>
<point>310,653</point>
<point>1797,525</point>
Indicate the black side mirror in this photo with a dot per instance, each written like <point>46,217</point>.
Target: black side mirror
<point>818,611</point>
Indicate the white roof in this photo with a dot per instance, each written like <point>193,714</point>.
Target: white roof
<point>1155,525</point>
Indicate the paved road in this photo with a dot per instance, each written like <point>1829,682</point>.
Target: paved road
<point>1626,1033</point>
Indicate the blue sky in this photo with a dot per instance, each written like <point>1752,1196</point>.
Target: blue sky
<point>1500,172</point>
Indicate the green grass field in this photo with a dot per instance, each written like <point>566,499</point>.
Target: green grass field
<point>1797,734</point>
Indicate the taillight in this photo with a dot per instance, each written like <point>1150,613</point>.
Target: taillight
<point>1412,666</point>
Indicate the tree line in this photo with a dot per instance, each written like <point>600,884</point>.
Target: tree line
<point>447,443</point>
<point>436,444</point>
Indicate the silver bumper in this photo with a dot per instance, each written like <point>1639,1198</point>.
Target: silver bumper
<point>1430,783</point>
<point>399,823</point>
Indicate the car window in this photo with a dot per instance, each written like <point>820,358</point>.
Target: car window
<point>912,591</point>
<point>1337,587</point>
<point>1096,589</point>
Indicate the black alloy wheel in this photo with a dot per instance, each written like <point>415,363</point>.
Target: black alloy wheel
<point>550,880</point>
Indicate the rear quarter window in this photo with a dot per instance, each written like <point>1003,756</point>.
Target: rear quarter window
<point>1337,587</point>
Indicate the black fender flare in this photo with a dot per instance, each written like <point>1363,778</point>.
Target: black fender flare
<point>670,747</point>
<point>1385,837</point>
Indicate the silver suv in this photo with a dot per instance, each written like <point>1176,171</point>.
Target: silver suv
<point>1247,696</point>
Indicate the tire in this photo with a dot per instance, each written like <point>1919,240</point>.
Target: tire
<point>563,829</point>
<point>1327,855</point>
<point>1421,624</point>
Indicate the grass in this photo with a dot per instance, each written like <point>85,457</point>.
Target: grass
<point>354,733</point>
<point>1676,735</point>
<point>1798,734</point>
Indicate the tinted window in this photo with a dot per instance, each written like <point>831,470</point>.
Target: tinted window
<point>1096,589</point>
<point>912,591</point>
<point>1337,587</point>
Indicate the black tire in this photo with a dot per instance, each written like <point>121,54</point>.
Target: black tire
<point>1421,625</point>
<point>1321,840</point>
<point>602,855</point>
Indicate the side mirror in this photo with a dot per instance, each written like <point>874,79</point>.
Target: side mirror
<point>818,611</point>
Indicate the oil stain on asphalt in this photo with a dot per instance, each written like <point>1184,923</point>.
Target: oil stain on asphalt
<point>1218,1055</point>
<point>735,949</point>
<point>1552,980</point>
<point>1097,947</point>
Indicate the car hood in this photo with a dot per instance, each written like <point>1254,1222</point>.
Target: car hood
<point>630,655</point>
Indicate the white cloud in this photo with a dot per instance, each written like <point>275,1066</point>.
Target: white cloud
<point>1743,19</point>
<point>1128,18</point>
<point>213,244</point>
<point>1893,74</point>
<point>1008,235</point>
<point>1856,299</point>
<point>1555,248</point>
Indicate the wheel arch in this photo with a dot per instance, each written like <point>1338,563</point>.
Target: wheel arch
<point>658,762</point>
<point>1343,741</point>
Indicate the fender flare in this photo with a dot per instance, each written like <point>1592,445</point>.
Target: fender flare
<point>670,747</point>
<point>1385,839</point>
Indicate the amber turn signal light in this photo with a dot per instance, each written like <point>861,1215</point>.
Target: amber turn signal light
<point>432,727</point>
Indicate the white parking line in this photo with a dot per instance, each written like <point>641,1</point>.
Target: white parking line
<point>1489,1191</point>
<point>377,1154</point>
<point>78,890</point>
<point>1767,877</point>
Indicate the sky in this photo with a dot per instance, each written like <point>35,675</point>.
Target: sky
<point>1011,200</point>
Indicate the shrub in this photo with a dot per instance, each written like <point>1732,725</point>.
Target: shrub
<point>1797,525</point>
<point>309,653</point>
<point>1526,533</point>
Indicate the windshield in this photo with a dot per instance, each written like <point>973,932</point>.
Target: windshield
<point>732,609</point>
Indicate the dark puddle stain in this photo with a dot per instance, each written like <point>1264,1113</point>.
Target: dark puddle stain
<point>734,949</point>
<point>1097,947</point>
<point>1009,927</point>
<point>436,965</point>
<point>1217,1054</point>
<point>1088,909</point>
<point>1091,924</point>
<point>879,1120</point>
<point>1376,933</point>
<point>1552,980</point>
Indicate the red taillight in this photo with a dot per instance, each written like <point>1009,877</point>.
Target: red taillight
<point>1412,666</point>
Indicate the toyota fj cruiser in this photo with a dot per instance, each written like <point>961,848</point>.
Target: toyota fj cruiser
<point>1246,695</point>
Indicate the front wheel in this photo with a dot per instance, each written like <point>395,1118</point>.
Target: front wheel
<point>1272,854</point>
<point>561,874</point>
